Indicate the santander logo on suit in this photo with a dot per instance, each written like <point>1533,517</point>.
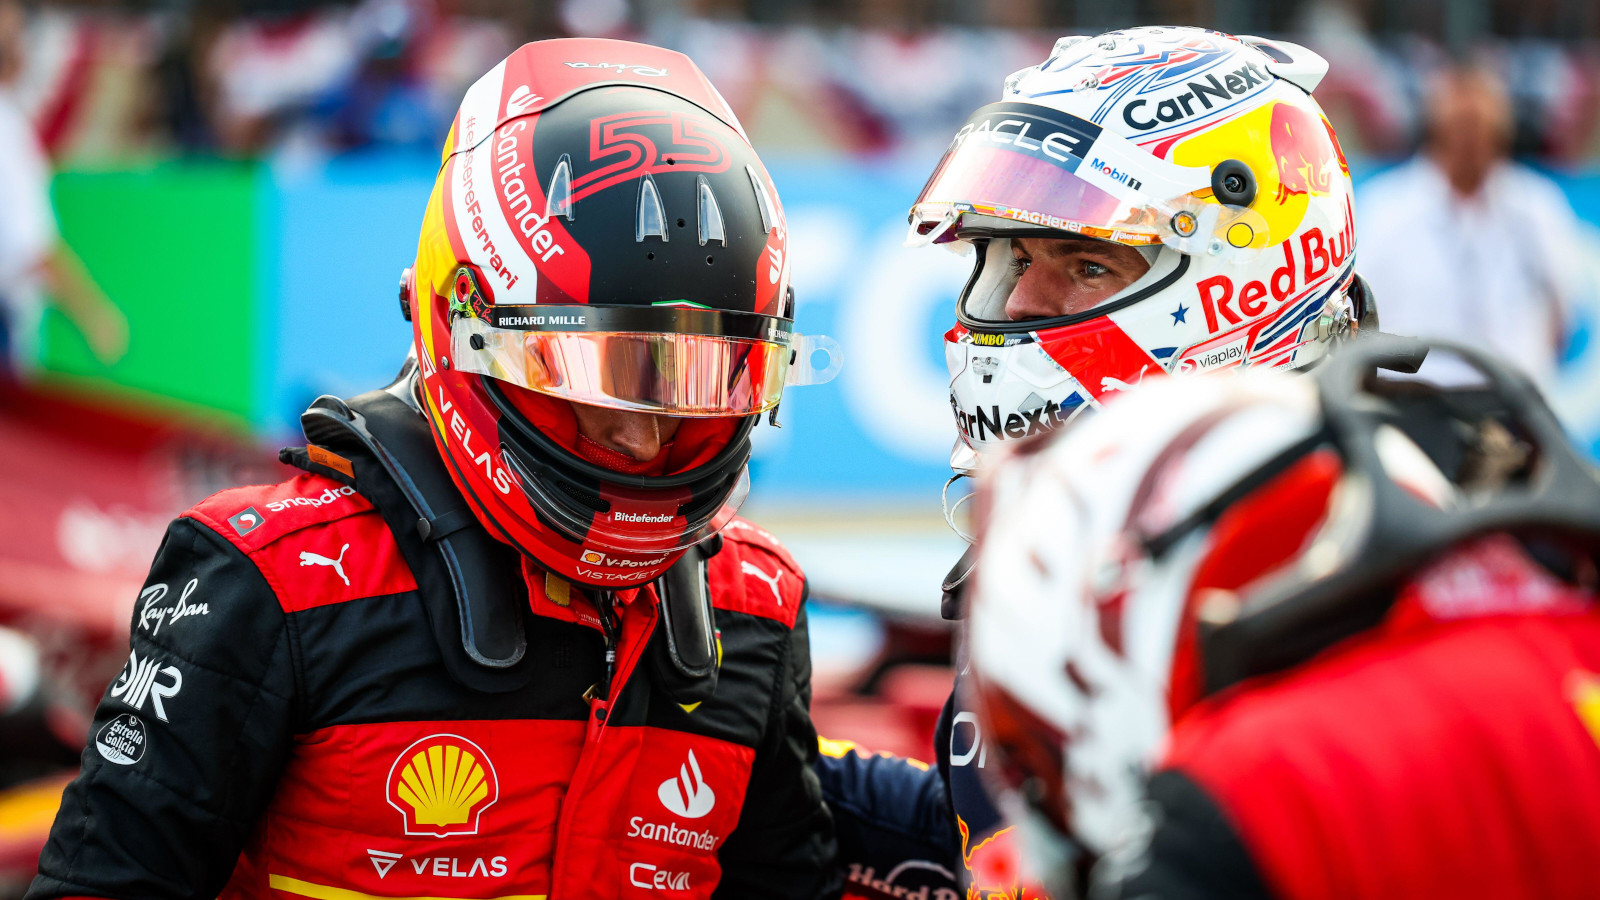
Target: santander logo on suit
<point>688,795</point>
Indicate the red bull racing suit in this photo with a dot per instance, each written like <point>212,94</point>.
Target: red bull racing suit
<point>910,831</point>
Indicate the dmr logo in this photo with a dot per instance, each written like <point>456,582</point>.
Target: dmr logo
<point>441,785</point>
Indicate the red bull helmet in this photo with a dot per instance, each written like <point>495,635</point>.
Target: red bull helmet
<point>1202,151</point>
<point>601,232</point>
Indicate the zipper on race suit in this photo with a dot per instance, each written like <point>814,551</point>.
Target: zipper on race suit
<point>606,607</point>
<point>621,662</point>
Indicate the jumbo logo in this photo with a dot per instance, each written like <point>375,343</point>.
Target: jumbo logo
<point>441,785</point>
<point>988,340</point>
<point>1290,150</point>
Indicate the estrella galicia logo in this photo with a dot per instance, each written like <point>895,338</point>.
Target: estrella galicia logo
<point>246,520</point>
<point>122,740</point>
<point>688,795</point>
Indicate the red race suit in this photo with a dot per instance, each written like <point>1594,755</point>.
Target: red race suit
<point>285,727</point>
<point>1453,751</point>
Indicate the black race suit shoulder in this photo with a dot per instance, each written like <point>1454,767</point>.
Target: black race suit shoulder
<point>187,744</point>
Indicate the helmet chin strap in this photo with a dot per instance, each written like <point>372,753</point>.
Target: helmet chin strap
<point>951,509</point>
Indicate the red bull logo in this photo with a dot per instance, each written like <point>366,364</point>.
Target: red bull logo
<point>1301,148</point>
<point>1297,164</point>
<point>994,869</point>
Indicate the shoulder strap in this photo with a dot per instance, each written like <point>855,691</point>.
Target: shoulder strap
<point>685,657</point>
<point>394,463</point>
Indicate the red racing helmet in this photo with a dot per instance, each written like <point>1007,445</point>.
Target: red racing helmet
<point>601,232</point>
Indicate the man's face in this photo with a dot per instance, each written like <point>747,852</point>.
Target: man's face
<point>1063,276</point>
<point>637,435</point>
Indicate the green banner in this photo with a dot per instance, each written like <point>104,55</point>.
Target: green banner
<point>178,248</point>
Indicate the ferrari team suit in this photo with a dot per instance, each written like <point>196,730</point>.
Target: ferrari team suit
<point>1454,751</point>
<point>305,713</point>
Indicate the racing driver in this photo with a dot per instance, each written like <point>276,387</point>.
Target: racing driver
<point>1146,202</point>
<point>1302,638</point>
<point>504,636</point>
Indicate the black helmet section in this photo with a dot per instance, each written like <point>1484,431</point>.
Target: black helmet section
<point>565,489</point>
<point>671,205</point>
<point>1541,491</point>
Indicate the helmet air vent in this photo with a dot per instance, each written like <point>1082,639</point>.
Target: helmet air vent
<point>558,200</point>
<point>710,214</point>
<point>763,200</point>
<point>652,219</point>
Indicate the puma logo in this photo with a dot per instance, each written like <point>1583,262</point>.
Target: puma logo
<point>1108,384</point>
<point>771,580</point>
<point>307,558</point>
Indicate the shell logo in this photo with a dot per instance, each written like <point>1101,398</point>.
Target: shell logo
<point>441,785</point>
<point>593,558</point>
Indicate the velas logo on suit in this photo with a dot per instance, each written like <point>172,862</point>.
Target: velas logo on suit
<point>688,795</point>
<point>441,785</point>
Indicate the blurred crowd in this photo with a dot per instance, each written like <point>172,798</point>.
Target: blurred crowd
<point>116,81</point>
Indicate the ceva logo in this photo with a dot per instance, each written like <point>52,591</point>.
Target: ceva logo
<point>688,795</point>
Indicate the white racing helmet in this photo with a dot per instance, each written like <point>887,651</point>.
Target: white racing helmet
<point>1204,151</point>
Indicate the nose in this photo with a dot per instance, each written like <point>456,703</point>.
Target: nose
<point>638,435</point>
<point>1031,298</point>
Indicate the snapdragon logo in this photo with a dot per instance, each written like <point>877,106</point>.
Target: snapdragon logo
<point>323,499</point>
<point>640,517</point>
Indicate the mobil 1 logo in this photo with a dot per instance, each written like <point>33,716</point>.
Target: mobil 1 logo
<point>122,740</point>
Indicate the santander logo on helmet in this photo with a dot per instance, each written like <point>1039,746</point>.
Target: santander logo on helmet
<point>1201,152</point>
<point>544,242</point>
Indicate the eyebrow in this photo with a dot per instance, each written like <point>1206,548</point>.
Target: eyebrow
<point>1063,246</point>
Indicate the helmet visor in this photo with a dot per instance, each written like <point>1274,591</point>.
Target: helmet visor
<point>668,360</point>
<point>1042,168</point>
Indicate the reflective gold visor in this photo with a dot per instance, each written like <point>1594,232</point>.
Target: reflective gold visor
<point>677,361</point>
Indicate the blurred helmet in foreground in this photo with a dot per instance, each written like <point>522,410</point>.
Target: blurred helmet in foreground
<point>1204,157</point>
<point>601,232</point>
<point>1203,531</point>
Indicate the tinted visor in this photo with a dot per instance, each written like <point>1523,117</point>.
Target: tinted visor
<point>1044,168</point>
<point>679,361</point>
